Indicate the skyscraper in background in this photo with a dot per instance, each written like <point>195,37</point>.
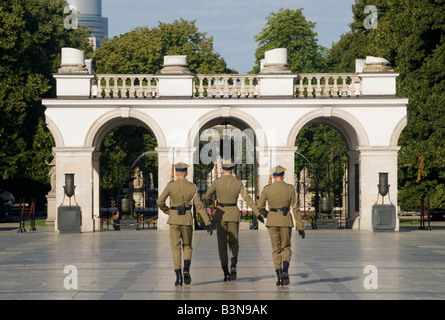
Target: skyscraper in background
<point>90,14</point>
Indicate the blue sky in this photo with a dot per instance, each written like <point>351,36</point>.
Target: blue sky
<point>232,23</point>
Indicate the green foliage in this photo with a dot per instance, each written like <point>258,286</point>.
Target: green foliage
<point>31,36</point>
<point>290,29</point>
<point>411,35</point>
<point>121,152</point>
<point>142,50</point>
<point>326,150</point>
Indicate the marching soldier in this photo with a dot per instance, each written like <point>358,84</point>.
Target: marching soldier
<point>281,200</point>
<point>227,216</point>
<point>182,195</point>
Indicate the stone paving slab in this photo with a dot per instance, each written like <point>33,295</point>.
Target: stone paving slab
<point>137,265</point>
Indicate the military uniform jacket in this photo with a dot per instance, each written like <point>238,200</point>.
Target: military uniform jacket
<point>278,195</point>
<point>181,192</point>
<point>227,189</point>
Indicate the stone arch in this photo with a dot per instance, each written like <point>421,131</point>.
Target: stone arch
<point>120,117</point>
<point>57,135</point>
<point>398,131</point>
<point>349,127</point>
<point>223,114</point>
<point>354,135</point>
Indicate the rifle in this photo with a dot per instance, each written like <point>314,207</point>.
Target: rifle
<point>270,166</point>
<point>172,176</point>
<point>215,203</point>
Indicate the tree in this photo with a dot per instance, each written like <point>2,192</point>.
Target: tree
<point>410,34</point>
<point>31,36</point>
<point>142,50</point>
<point>325,149</point>
<point>122,155</point>
<point>290,29</point>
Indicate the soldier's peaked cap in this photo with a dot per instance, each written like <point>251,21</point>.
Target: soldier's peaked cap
<point>181,167</point>
<point>278,170</point>
<point>227,165</point>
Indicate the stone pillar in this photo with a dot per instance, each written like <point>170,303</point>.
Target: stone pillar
<point>73,79</point>
<point>378,78</point>
<point>175,80</point>
<point>165,173</point>
<point>96,189</point>
<point>353,204</point>
<point>275,79</point>
<point>285,157</point>
<point>51,207</point>
<point>372,161</point>
<point>164,177</point>
<point>77,160</point>
<point>268,158</point>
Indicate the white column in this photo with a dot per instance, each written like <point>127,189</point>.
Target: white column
<point>76,160</point>
<point>353,205</point>
<point>372,161</point>
<point>165,172</point>
<point>268,158</point>
<point>285,157</point>
<point>164,177</point>
<point>96,189</point>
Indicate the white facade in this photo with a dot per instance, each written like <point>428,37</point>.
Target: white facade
<point>174,111</point>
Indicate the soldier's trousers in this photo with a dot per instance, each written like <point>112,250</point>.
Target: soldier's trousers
<point>181,240</point>
<point>227,233</point>
<point>281,245</point>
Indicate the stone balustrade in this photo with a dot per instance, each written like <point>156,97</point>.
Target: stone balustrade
<point>316,85</point>
<point>226,86</point>
<point>125,86</point>
<point>324,85</point>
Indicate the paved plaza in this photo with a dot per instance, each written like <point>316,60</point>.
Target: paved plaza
<point>137,265</point>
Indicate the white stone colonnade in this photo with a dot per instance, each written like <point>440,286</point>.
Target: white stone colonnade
<point>177,105</point>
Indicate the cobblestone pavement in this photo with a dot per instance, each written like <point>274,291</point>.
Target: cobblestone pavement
<point>137,265</point>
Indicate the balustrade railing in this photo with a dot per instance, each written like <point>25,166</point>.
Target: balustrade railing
<point>125,86</point>
<point>316,85</point>
<point>226,86</point>
<point>327,85</point>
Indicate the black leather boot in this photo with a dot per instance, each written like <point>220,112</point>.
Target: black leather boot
<point>279,277</point>
<point>187,278</point>
<point>226,273</point>
<point>178,281</point>
<point>285,273</point>
<point>233,269</point>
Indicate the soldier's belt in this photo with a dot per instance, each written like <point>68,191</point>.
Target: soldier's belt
<point>176,208</point>
<point>285,210</point>
<point>227,204</point>
<point>181,209</point>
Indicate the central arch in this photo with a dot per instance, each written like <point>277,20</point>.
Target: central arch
<point>225,113</point>
<point>246,170</point>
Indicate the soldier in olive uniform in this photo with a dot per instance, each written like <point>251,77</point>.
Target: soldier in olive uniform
<point>281,199</point>
<point>182,195</point>
<point>227,216</point>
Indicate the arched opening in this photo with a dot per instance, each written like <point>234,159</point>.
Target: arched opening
<point>321,167</point>
<point>227,139</point>
<point>127,167</point>
<point>327,172</point>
